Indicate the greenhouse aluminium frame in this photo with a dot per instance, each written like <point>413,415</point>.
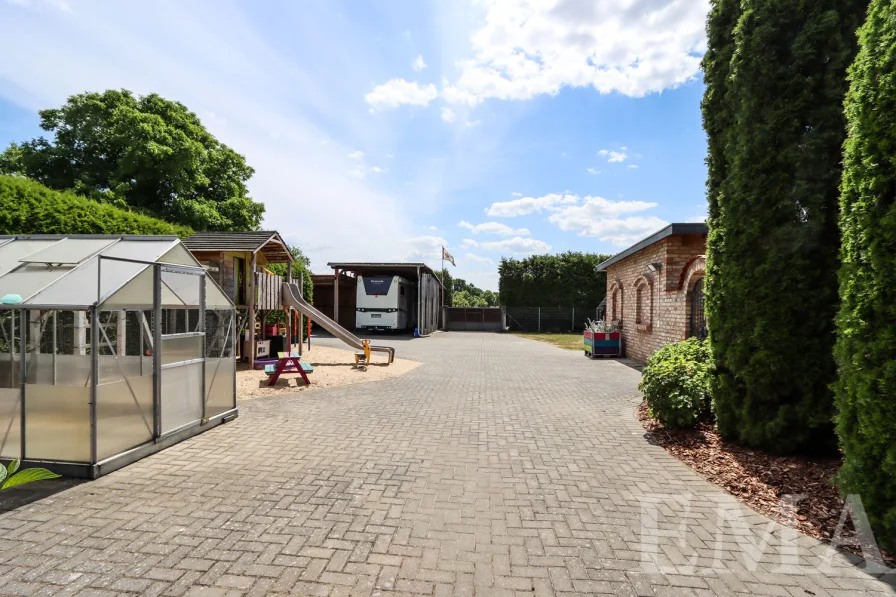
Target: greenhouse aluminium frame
<point>114,348</point>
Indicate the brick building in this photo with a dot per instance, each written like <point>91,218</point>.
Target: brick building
<point>655,289</point>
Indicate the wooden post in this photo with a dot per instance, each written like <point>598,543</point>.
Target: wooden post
<point>289,324</point>
<point>336,296</point>
<point>251,327</point>
<point>300,333</point>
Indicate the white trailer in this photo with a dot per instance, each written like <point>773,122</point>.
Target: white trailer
<point>384,303</point>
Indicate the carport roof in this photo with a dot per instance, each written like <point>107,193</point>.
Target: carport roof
<point>406,269</point>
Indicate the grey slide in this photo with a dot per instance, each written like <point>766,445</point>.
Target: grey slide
<point>292,297</point>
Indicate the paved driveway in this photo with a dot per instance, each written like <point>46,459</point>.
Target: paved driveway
<point>501,466</point>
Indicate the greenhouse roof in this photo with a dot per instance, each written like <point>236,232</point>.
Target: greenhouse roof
<point>66,270</point>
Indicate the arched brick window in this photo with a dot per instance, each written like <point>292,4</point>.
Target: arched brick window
<point>639,305</point>
<point>644,303</point>
<point>617,311</point>
<point>697,323</point>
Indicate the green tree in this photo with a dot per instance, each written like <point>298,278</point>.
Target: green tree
<point>145,153</point>
<point>866,343</point>
<point>774,237</point>
<point>565,280</point>
<point>464,298</point>
<point>448,285</point>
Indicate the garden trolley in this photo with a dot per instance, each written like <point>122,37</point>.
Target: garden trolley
<point>602,344</point>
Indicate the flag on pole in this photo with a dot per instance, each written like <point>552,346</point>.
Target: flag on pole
<point>448,257</point>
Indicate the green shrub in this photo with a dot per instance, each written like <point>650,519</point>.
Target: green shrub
<point>28,207</point>
<point>866,326</point>
<point>676,383</point>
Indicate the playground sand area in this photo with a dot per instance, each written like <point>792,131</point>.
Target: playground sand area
<point>333,367</point>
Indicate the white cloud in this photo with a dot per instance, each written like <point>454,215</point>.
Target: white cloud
<point>517,194</point>
<point>432,228</point>
<point>593,172</point>
<point>494,228</point>
<point>696,219</point>
<point>517,246</point>
<point>599,217</point>
<point>468,243</point>
<point>418,63</point>
<point>633,166</point>
<point>526,48</point>
<point>360,169</point>
<point>425,248</point>
<point>527,205</point>
<point>479,258</point>
<point>448,115</point>
<point>398,92</point>
<point>613,157</point>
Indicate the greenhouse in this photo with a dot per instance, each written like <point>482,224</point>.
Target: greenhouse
<point>111,348</point>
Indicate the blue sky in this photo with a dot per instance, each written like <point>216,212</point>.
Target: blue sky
<point>384,129</point>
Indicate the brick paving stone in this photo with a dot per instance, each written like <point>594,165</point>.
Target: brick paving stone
<point>501,466</point>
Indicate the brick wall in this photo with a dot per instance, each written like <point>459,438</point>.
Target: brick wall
<point>665,304</point>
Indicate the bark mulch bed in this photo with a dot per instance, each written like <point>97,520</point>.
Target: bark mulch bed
<point>759,479</point>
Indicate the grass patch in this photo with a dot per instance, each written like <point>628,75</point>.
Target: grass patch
<point>564,341</point>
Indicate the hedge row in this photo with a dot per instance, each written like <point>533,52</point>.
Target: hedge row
<point>866,345</point>
<point>773,246</point>
<point>28,207</point>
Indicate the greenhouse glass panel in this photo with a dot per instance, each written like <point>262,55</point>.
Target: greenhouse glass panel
<point>135,293</point>
<point>71,251</point>
<point>11,253</point>
<point>29,280</point>
<point>186,286</point>
<point>181,396</point>
<point>181,347</point>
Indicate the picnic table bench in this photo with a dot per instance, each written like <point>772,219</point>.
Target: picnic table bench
<point>288,363</point>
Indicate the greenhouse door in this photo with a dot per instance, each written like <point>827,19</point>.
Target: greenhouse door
<point>181,332</point>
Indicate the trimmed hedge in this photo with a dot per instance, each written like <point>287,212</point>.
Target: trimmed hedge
<point>675,383</point>
<point>28,207</point>
<point>774,240</point>
<point>866,326</point>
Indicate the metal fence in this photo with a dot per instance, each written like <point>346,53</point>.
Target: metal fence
<point>549,319</point>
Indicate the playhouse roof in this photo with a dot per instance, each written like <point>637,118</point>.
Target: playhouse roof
<point>64,271</point>
<point>267,242</point>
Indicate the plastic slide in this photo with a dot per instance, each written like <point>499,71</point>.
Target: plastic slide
<point>292,297</point>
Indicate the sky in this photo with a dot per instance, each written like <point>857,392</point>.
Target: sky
<point>386,129</point>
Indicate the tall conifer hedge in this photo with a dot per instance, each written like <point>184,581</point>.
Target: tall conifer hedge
<point>866,345</point>
<point>774,238</point>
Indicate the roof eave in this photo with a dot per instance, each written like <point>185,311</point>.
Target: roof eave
<point>670,230</point>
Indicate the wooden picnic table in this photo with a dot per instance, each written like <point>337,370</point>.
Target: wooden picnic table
<point>288,363</point>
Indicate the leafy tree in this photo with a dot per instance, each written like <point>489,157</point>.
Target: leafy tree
<point>565,280</point>
<point>145,153</point>
<point>774,181</point>
<point>448,285</point>
<point>300,268</point>
<point>464,298</point>
<point>866,344</point>
<point>28,207</point>
<point>460,293</point>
